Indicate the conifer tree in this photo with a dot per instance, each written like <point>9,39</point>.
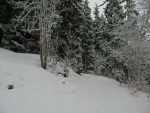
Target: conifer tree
<point>114,13</point>
<point>71,13</point>
<point>99,24</point>
<point>87,40</point>
<point>6,11</point>
<point>131,12</point>
<point>113,65</point>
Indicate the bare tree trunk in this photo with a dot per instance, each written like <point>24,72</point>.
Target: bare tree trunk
<point>47,16</point>
<point>41,56</point>
<point>45,55</point>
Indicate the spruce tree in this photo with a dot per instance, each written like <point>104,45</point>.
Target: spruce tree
<point>113,64</point>
<point>114,14</point>
<point>87,40</point>
<point>71,13</point>
<point>15,38</point>
<point>96,26</point>
<point>131,12</point>
<point>115,18</point>
<point>6,11</point>
<point>99,25</point>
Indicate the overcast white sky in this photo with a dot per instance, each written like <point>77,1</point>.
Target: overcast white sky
<point>92,5</point>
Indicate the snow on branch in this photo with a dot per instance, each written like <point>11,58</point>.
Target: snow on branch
<point>34,12</point>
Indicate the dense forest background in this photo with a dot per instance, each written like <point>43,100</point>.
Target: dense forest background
<point>114,44</point>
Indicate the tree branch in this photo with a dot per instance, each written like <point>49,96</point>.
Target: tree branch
<point>103,3</point>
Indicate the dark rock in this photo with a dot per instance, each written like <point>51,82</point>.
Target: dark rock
<point>10,87</point>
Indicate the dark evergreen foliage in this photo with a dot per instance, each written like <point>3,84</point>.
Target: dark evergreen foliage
<point>15,38</point>
<point>6,11</point>
<point>87,40</point>
<point>1,35</point>
<point>71,13</point>
<point>107,44</point>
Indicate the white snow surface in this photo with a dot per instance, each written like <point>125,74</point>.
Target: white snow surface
<point>38,91</point>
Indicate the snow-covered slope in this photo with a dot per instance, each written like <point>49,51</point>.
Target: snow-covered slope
<point>38,91</point>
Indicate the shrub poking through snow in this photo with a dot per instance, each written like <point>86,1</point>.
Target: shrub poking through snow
<point>59,68</point>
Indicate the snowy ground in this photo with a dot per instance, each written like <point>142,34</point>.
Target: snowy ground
<point>38,91</point>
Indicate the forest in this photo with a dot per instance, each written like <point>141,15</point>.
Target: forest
<point>114,44</point>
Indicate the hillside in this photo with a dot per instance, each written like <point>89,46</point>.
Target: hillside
<point>39,91</point>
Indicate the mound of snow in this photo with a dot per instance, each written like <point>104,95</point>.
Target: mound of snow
<point>39,91</point>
